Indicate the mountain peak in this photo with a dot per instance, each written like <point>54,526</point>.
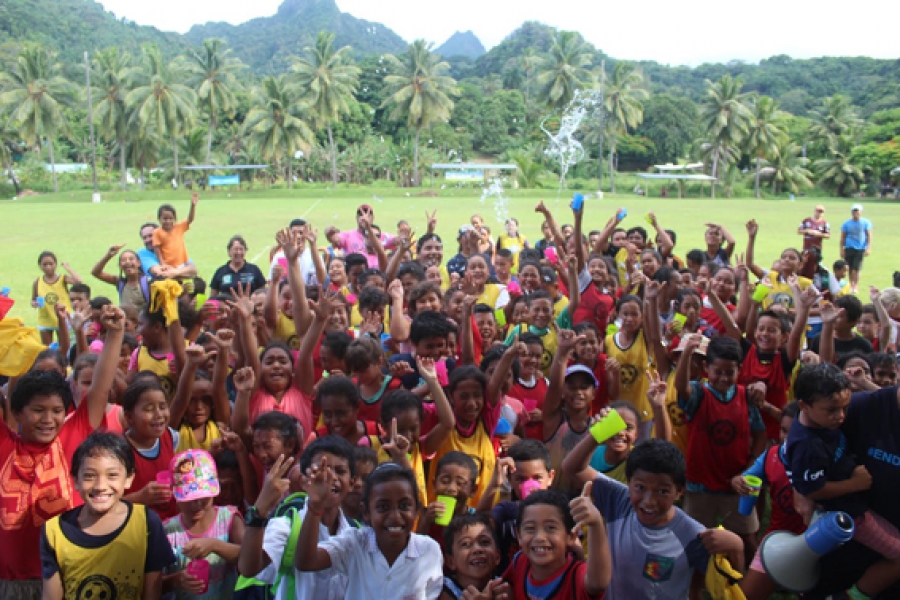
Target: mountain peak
<point>462,43</point>
<point>293,7</point>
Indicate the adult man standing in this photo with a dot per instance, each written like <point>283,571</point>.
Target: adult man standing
<point>306,261</point>
<point>856,243</point>
<point>356,241</point>
<point>814,229</point>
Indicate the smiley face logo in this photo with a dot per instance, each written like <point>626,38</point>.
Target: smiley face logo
<point>722,432</point>
<point>96,587</point>
<point>51,298</point>
<point>676,415</point>
<point>546,360</point>
<point>628,375</point>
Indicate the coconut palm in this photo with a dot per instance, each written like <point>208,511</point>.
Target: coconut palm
<point>765,133</point>
<point>275,126</point>
<point>9,145</point>
<point>34,93</point>
<point>789,168</point>
<point>327,79</point>
<point>212,74</point>
<point>563,71</point>
<point>836,172</point>
<point>160,101</point>
<point>111,72</point>
<point>726,118</point>
<point>835,118</point>
<point>623,108</point>
<point>419,89</point>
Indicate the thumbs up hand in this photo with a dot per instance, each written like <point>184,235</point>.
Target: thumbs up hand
<point>583,510</point>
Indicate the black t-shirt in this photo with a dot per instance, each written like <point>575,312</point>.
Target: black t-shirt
<point>816,456</point>
<point>844,347</point>
<point>226,278</point>
<point>506,515</point>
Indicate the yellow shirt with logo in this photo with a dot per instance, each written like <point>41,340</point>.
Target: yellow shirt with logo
<point>114,570</point>
<point>635,360</point>
<point>160,366</point>
<point>52,293</point>
<point>781,293</point>
<point>479,447</point>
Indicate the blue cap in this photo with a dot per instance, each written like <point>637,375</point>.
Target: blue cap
<point>582,369</point>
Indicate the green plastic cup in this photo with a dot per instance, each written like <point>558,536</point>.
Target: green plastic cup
<point>450,503</point>
<point>755,484</point>
<point>608,426</point>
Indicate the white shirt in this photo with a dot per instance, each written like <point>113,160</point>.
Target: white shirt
<point>304,261</point>
<point>320,585</point>
<point>417,574</point>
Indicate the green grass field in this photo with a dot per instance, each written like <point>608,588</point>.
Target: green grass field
<point>80,232</point>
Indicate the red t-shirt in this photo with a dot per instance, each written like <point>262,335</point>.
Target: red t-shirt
<point>595,307</point>
<point>708,314</point>
<point>718,440</point>
<point>567,583</point>
<point>532,397</point>
<point>371,411</point>
<point>35,486</point>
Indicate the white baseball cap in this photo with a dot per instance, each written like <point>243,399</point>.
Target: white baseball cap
<point>856,207</point>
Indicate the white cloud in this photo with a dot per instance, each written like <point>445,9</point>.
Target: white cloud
<point>669,32</point>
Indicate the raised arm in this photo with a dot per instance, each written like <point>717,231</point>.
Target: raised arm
<point>552,407</point>
<point>244,382</point>
<point>304,369</point>
<point>830,314</point>
<point>683,370</point>
<point>72,277</point>
<point>599,559</point>
<point>396,260</point>
<point>665,241</point>
<point>317,482</point>
<point>113,320</point>
<point>98,272</point>
<point>574,287</point>
<point>656,394</point>
<point>446,420</point>
<point>654,334</point>
<point>467,336</point>
<point>195,358</point>
<point>558,239</point>
<point>223,339</point>
<point>242,312</point>
<point>804,301</point>
<point>291,244</point>
<point>884,319</point>
<point>752,231</point>
<point>504,367</point>
<point>252,559</point>
<point>400,325</point>
<point>605,235</point>
<point>312,235</point>
<point>580,258</point>
<point>195,198</point>
<point>731,328</point>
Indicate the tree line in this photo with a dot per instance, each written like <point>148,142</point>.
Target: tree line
<point>331,118</point>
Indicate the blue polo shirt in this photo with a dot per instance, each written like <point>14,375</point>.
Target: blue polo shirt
<point>855,231</point>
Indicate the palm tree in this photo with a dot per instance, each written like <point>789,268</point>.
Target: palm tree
<point>112,71</point>
<point>529,167</point>
<point>623,108</point>
<point>725,117</point>
<point>836,172</point>
<point>34,92</point>
<point>765,133</point>
<point>836,117</point>
<point>327,79</point>
<point>160,101</point>
<point>275,127</point>
<point>211,72</point>
<point>564,70</point>
<point>419,89</point>
<point>8,145</point>
<point>789,168</point>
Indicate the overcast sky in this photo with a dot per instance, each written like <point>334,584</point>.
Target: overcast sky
<point>675,33</point>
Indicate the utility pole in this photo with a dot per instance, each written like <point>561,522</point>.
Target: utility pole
<point>87,75</point>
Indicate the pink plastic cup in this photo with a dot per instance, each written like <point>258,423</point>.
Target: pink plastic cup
<point>441,368</point>
<point>530,404</point>
<point>164,478</point>
<point>528,487</point>
<point>200,569</point>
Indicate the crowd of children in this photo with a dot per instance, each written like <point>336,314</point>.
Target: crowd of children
<point>375,422</point>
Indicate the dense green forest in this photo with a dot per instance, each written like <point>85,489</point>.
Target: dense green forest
<point>323,97</point>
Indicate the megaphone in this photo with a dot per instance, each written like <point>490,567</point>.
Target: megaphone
<point>792,561</point>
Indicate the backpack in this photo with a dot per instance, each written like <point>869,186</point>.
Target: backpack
<point>145,287</point>
<point>248,588</point>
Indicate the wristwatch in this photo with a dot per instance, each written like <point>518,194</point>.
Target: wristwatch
<point>252,518</point>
